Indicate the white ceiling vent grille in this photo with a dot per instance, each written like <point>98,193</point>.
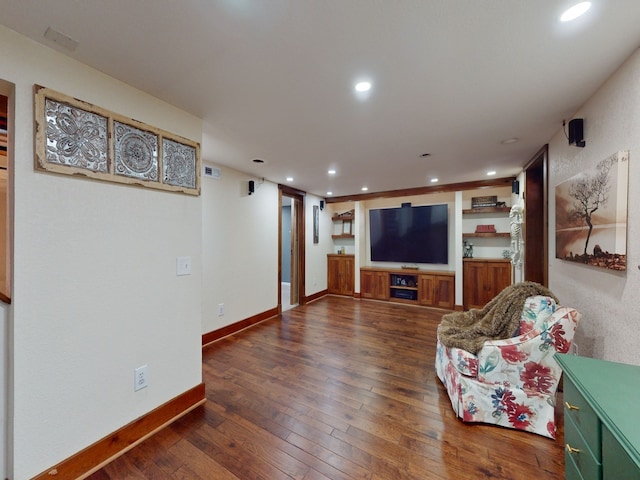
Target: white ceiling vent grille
<point>211,172</point>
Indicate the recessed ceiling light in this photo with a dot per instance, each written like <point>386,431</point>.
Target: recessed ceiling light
<point>331,172</point>
<point>363,86</point>
<point>434,180</point>
<point>289,179</point>
<point>491,173</point>
<point>575,11</point>
<point>329,193</point>
<point>509,140</point>
<point>364,189</point>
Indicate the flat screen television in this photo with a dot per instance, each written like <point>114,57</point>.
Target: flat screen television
<point>410,234</point>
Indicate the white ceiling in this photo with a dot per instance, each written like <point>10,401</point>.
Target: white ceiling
<point>273,79</point>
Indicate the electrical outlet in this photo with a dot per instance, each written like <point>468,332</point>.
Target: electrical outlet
<point>140,379</point>
<point>220,309</point>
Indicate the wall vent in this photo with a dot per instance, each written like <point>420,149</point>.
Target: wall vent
<point>211,172</point>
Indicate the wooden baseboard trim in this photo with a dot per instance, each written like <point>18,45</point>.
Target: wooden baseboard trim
<point>316,296</point>
<point>357,295</point>
<point>97,455</point>
<point>211,337</point>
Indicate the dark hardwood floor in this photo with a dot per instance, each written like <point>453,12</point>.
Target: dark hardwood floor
<point>337,389</point>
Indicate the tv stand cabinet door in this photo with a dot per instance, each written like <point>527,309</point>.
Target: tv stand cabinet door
<point>445,288</point>
<point>426,290</point>
<point>436,291</point>
<point>374,284</point>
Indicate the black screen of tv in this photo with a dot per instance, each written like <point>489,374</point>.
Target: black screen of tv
<point>410,234</point>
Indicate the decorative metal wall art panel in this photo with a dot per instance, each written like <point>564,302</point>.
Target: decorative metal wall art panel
<point>75,137</point>
<point>80,139</point>
<point>136,152</point>
<point>178,164</point>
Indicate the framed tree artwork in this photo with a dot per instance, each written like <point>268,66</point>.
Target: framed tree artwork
<point>591,215</point>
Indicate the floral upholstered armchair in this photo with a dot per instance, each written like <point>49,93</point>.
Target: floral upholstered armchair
<point>512,382</point>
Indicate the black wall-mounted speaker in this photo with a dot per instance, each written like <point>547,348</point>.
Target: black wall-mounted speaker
<point>576,132</point>
<point>321,204</point>
<point>252,186</point>
<point>515,187</point>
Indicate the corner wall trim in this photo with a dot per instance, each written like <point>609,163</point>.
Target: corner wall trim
<point>214,335</point>
<point>97,455</point>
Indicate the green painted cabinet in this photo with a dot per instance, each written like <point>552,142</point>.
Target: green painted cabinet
<point>601,423</point>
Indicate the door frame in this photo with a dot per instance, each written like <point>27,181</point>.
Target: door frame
<point>536,218</point>
<point>297,241</point>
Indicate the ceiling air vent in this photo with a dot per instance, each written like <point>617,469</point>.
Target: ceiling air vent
<point>212,172</point>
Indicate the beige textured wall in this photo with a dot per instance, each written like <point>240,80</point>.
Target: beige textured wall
<point>609,301</point>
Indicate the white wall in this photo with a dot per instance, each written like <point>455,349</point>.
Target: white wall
<point>240,248</point>
<point>95,292</point>
<point>316,254</point>
<point>609,301</point>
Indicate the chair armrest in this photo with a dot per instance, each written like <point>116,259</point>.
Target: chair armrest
<point>465,362</point>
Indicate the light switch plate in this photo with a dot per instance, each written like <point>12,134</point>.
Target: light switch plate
<point>183,266</point>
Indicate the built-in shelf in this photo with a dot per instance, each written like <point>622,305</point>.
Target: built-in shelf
<point>487,210</point>
<point>343,235</point>
<point>345,216</point>
<point>346,220</point>
<point>486,235</point>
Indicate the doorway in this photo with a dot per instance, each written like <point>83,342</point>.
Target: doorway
<point>290,248</point>
<point>7,116</point>
<point>536,227</point>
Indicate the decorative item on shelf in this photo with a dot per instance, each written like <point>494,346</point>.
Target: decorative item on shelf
<point>487,201</point>
<point>515,230</point>
<point>485,229</point>
<point>468,250</point>
<point>348,213</point>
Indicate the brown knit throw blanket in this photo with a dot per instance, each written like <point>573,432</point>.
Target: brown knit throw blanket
<point>498,319</point>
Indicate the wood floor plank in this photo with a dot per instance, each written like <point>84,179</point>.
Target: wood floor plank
<point>196,463</point>
<point>337,389</point>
